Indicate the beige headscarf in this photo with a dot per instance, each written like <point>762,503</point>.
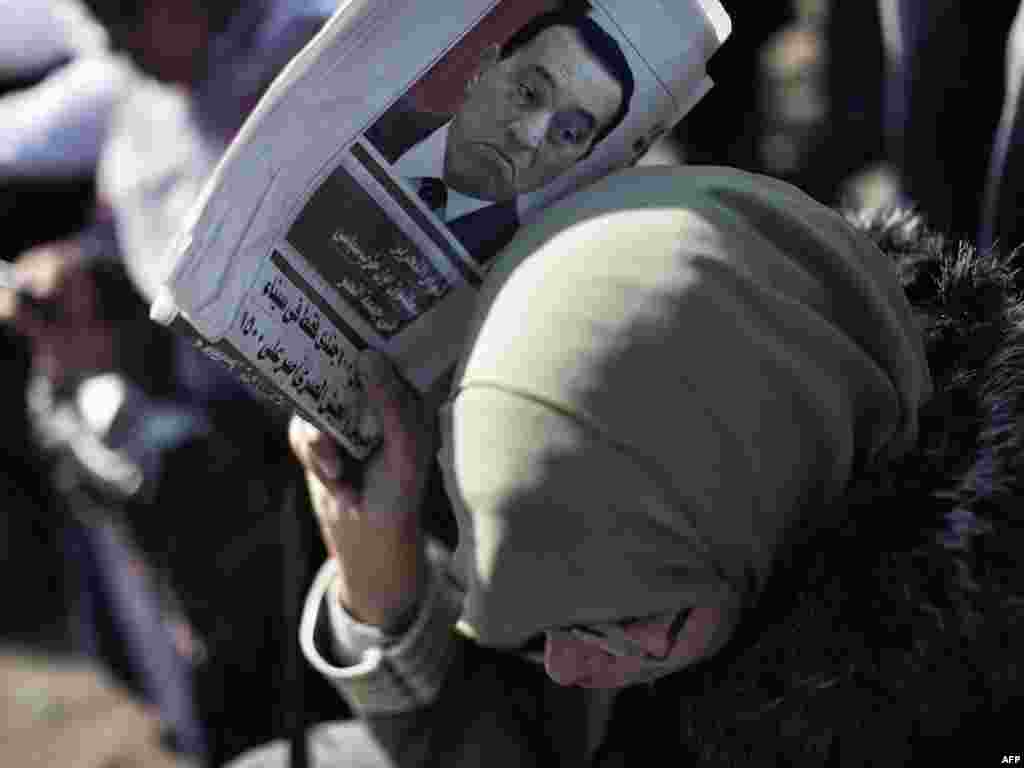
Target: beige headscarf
<point>667,370</point>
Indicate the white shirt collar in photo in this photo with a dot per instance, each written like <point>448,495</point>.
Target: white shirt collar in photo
<point>427,159</point>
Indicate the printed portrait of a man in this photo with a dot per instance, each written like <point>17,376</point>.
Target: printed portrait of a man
<point>536,105</point>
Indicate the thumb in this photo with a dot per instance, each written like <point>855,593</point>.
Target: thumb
<point>396,408</point>
<point>384,392</point>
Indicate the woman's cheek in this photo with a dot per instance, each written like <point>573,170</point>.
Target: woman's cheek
<point>618,672</point>
<point>570,661</point>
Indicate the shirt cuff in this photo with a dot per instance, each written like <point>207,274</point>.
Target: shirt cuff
<point>378,673</point>
<point>352,639</point>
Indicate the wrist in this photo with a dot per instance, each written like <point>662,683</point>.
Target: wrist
<point>381,585</point>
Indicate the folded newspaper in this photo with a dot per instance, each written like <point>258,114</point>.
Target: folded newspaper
<point>363,200</point>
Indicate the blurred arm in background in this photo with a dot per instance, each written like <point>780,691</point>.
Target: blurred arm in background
<point>57,128</point>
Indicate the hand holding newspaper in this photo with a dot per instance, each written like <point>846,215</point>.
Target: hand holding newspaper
<point>364,199</point>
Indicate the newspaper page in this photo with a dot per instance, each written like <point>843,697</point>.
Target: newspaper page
<point>382,239</point>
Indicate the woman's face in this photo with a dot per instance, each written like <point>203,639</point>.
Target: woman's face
<point>571,658</point>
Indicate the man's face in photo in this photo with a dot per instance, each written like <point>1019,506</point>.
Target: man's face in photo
<point>529,117</point>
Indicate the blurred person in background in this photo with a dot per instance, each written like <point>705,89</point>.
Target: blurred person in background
<point>41,164</point>
<point>47,50</point>
<point>136,426</point>
<point>728,126</point>
<point>950,123</point>
<point>36,36</point>
<point>801,89</point>
<point>919,106</point>
<point>59,83</point>
<point>1001,219</point>
<point>821,123</point>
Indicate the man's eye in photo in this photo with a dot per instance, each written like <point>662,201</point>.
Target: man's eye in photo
<point>526,94</point>
<point>573,136</point>
<point>571,128</point>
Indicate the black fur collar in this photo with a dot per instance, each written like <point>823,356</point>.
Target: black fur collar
<point>896,636</point>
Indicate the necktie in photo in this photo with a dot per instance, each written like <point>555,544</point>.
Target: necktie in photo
<point>433,193</point>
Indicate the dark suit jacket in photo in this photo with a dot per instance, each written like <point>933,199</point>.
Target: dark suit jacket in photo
<point>483,232</point>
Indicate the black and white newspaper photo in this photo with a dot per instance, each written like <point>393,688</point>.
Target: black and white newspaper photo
<point>382,238</point>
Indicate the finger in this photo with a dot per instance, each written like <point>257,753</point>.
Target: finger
<point>41,270</point>
<point>331,500</point>
<point>311,447</point>
<point>300,435</point>
<point>391,401</point>
<point>298,438</point>
<point>382,391</point>
<point>323,452</point>
<point>330,497</point>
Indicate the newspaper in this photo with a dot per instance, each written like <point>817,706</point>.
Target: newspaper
<point>366,196</point>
